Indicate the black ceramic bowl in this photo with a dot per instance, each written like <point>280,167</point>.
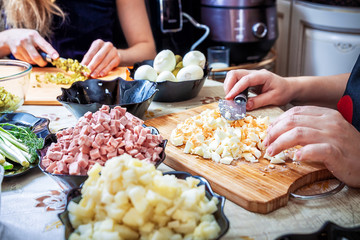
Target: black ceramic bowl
<point>67,181</point>
<point>75,195</point>
<point>90,95</point>
<point>40,126</point>
<point>174,91</point>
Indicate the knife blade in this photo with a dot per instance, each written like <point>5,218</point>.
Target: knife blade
<point>235,109</point>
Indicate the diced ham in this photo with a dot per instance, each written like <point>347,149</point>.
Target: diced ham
<point>55,156</point>
<point>74,168</point>
<point>51,167</point>
<point>111,154</point>
<point>98,128</point>
<point>94,154</point>
<point>98,137</point>
<point>62,167</point>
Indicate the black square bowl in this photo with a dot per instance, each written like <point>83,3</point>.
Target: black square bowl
<point>90,95</point>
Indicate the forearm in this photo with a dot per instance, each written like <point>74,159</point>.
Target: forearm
<point>4,48</point>
<point>320,90</point>
<point>137,53</point>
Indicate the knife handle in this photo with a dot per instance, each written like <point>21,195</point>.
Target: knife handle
<point>242,97</point>
<point>45,56</point>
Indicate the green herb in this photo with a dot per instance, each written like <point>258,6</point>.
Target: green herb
<point>23,139</point>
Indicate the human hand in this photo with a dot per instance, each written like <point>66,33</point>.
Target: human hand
<point>271,88</point>
<point>23,44</point>
<point>326,137</point>
<point>101,58</point>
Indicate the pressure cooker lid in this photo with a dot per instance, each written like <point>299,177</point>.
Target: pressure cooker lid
<point>238,3</point>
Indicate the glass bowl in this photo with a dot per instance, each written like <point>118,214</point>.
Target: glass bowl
<point>14,81</point>
<point>75,195</point>
<point>90,95</point>
<point>175,91</point>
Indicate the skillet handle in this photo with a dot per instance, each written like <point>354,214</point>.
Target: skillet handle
<point>320,195</point>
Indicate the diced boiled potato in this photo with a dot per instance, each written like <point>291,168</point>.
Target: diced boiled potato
<point>126,232</point>
<point>166,186</point>
<point>186,227</point>
<point>99,235</point>
<point>86,230</point>
<point>140,203</point>
<point>133,218</point>
<point>207,230</point>
<point>137,196</point>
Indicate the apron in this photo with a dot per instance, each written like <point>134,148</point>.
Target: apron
<point>349,104</point>
<point>86,21</point>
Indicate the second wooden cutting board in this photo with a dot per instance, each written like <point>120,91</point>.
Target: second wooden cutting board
<point>46,93</point>
<point>253,186</point>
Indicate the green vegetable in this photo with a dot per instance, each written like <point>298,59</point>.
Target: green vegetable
<point>8,102</point>
<point>19,145</point>
<point>7,166</point>
<point>27,137</point>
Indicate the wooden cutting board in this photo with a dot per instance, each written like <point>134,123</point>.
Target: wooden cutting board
<point>253,186</point>
<point>40,93</point>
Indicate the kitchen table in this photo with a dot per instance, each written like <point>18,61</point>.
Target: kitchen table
<point>30,203</point>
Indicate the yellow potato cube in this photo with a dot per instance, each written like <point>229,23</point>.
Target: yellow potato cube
<point>161,234</point>
<point>147,228</point>
<point>187,227</point>
<point>166,186</point>
<point>207,230</point>
<point>106,236</point>
<point>137,196</point>
<point>126,232</point>
<point>133,218</point>
<point>86,230</point>
<point>115,212</point>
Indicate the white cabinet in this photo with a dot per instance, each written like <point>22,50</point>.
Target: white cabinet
<point>316,39</point>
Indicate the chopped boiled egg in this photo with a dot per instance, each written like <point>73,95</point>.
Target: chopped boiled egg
<point>213,137</point>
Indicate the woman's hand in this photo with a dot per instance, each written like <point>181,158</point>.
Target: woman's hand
<point>271,88</point>
<point>101,58</point>
<point>326,137</point>
<point>23,44</point>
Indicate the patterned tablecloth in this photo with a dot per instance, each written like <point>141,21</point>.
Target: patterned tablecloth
<point>30,203</point>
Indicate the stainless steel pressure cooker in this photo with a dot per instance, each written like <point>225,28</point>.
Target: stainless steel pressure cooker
<point>248,27</point>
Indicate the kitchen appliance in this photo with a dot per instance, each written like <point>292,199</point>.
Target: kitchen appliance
<point>247,27</point>
<point>174,26</point>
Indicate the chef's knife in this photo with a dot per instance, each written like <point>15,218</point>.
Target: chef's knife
<point>47,57</point>
<point>65,64</point>
<point>234,109</point>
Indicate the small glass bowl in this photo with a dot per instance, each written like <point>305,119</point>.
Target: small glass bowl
<point>14,82</point>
